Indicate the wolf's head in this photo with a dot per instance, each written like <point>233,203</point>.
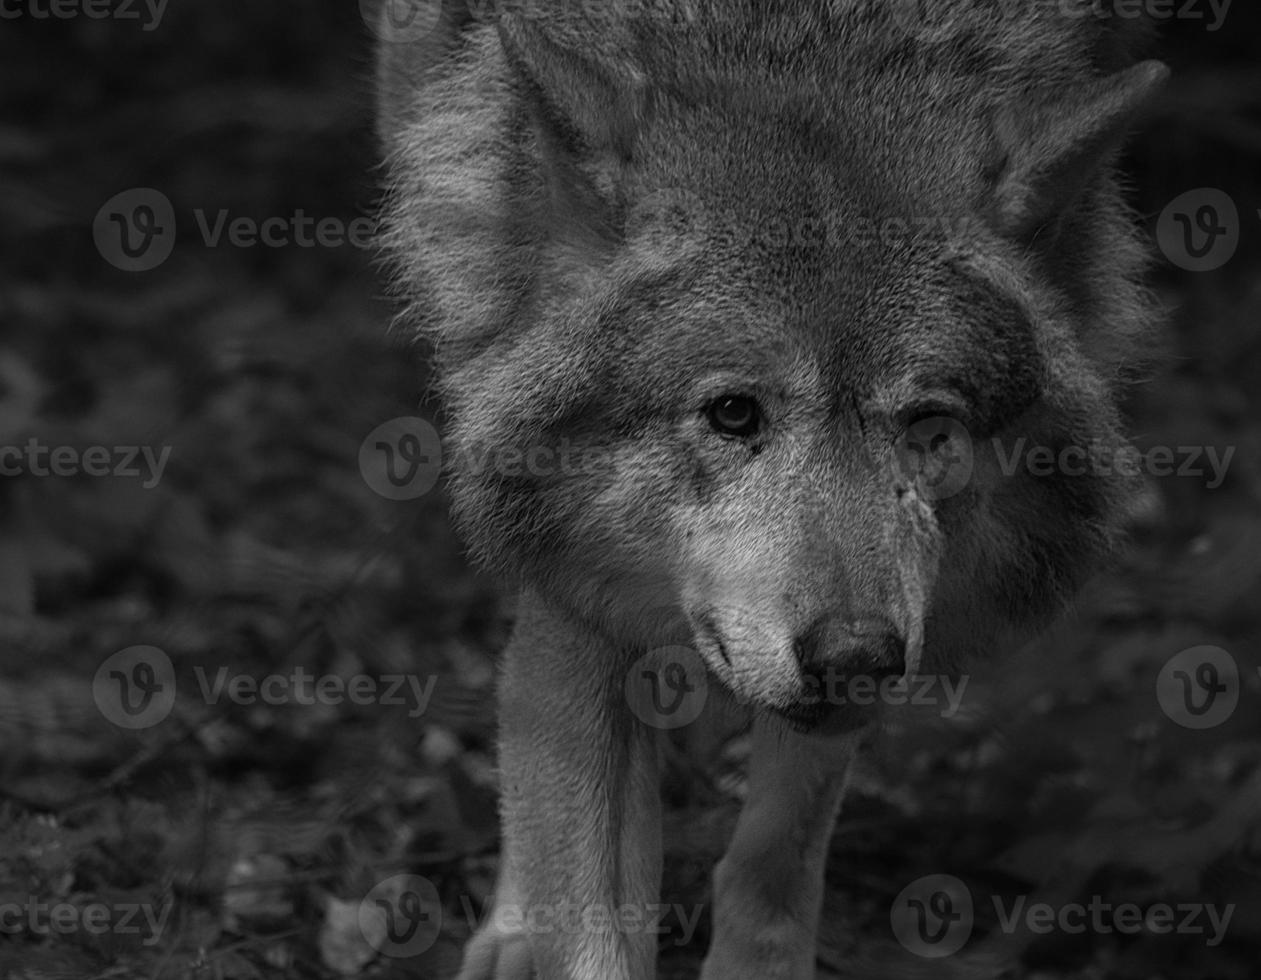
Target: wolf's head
<point>768,309</point>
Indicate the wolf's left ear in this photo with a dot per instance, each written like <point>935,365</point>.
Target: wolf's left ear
<point>1051,151</point>
<point>587,107</point>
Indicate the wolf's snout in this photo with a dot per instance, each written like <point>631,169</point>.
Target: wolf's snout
<point>873,647</point>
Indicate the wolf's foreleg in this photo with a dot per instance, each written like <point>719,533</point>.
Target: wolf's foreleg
<point>581,814</point>
<point>768,887</point>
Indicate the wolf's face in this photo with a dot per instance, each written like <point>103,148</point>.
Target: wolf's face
<point>809,434</point>
<point>769,347</point>
<point>793,444</point>
<point>799,458</point>
<point>810,403</point>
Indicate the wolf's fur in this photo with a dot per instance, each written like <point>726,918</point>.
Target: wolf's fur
<point>604,216</point>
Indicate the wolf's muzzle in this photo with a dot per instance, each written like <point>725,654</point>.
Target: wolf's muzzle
<point>872,647</point>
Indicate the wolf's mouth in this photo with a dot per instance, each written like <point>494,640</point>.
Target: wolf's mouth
<point>824,718</point>
<point>711,632</point>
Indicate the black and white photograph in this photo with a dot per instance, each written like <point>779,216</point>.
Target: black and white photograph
<point>630,490</point>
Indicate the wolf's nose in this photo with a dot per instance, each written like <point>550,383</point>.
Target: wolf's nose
<point>872,647</point>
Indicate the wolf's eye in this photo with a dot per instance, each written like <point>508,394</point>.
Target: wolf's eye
<point>734,415</point>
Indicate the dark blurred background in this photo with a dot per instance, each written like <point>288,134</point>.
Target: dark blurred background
<point>247,833</point>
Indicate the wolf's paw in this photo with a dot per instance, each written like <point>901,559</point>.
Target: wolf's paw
<point>494,954</point>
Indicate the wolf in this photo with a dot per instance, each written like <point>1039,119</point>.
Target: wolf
<point>778,280</point>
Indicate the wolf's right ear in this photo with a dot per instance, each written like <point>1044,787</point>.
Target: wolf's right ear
<point>586,110</point>
<point>1050,152</point>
